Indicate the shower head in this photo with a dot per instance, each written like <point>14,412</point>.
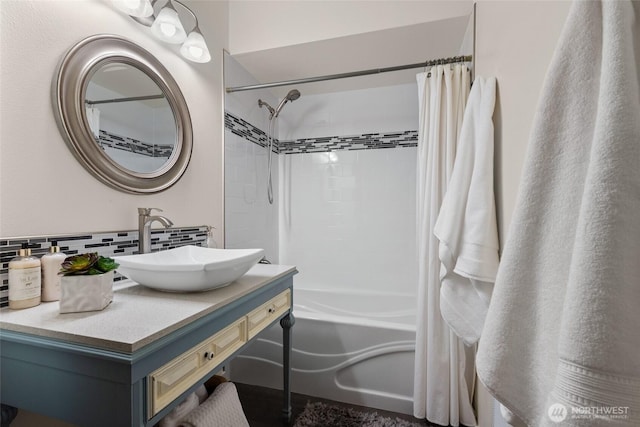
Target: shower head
<point>291,96</point>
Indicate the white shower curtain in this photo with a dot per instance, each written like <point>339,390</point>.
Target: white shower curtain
<point>444,370</point>
<point>93,117</point>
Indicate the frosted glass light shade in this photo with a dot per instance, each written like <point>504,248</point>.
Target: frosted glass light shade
<point>167,27</point>
<point>137,8</point>
<point>195,49</point>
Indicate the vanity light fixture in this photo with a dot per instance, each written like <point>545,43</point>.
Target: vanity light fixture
<point>194,48</point>
<point>167,26</point>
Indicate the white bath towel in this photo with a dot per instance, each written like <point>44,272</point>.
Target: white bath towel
<point>561,343</point>
<point>222,408</point>
<point>172,419</point>
<point>202,394</point>
<point>466,226</point>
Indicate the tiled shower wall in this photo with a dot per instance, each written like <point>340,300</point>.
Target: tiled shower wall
<point>348,216</point>
<point>105,244</point>
<point>346,194</point>
<point>250,221</point>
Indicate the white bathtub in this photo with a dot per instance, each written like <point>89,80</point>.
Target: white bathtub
<point>347,346</point>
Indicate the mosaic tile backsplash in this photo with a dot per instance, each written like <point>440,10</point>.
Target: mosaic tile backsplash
<point>367,141</point>
<point>105,244</point>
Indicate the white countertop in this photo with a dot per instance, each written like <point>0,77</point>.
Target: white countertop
<point>137,316</point>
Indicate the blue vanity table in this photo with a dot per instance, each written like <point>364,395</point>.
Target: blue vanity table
<point>133,362</point>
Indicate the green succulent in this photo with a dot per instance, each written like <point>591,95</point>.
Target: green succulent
<point>105,264</point>
<point>87,264</point>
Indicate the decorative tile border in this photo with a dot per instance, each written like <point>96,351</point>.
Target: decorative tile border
<point>246,130</point>
<point>105,244</point>
<point>367,141</point>
<point>133,145</point>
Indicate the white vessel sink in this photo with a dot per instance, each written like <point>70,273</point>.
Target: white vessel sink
<point>188,268</point>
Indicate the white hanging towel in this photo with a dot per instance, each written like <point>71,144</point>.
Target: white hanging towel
<point>561,342</point>
<point>466,226</point>
<point>172,419</point>
<point>221,409</point>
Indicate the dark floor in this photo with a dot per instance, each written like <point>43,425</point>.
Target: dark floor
<point>262,406</point>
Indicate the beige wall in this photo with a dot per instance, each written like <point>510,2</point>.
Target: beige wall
<point>43,189</point>
<point>514,42</point>
<point>282,23</point>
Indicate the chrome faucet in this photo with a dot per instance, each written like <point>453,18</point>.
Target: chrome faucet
<point>144,227</point>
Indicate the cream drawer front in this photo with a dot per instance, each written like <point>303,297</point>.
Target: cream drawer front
<point>175,377</point>
<point>262,316</point>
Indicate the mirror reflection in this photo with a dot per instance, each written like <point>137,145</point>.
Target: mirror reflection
<point>130,118</point>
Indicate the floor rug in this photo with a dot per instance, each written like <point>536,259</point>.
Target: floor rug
<point>322,415</point>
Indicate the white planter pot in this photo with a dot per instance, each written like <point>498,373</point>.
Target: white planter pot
<point>86,293</point>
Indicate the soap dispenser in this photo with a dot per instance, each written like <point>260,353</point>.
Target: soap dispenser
<point>210,242</point>
<point>24,280</point>
<point>51,263</point>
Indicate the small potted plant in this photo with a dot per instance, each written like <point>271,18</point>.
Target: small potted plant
<point>87,283</point>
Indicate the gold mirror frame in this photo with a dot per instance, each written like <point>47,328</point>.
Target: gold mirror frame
<point>69,93</point>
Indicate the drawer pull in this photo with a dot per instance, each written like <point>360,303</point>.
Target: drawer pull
<point>271,310</point>
<point>209,355</point>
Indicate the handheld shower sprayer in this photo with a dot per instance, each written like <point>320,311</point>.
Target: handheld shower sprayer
<point>291,96</point>
<point>273,115</point>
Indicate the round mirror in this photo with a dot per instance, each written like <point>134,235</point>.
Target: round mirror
<point>122,115</point>
<point>130,118</point>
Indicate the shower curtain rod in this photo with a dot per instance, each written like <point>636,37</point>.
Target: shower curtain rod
<point>129,99</point>
<point>430,63</point>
